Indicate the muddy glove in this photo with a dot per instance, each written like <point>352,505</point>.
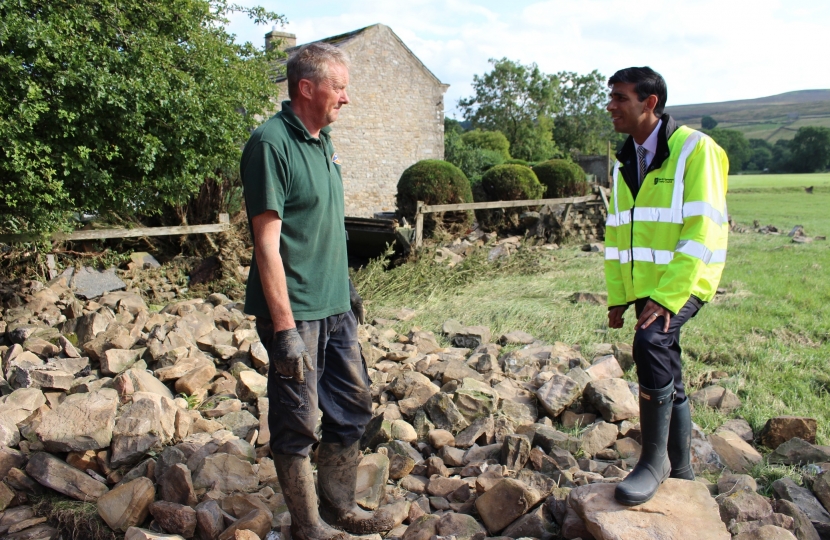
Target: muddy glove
<point>288,353</point>
<point>357,304</point>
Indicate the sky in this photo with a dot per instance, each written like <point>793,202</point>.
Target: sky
<point>707,50</point>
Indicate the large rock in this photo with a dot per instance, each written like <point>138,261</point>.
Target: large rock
<point>802,527</point>
<point>174,518</point>
<point>742,505</point>
<point>598,437</point>
<point>679,508</point>
<point>127,505</point>
<point>423,528</point>
<point>734,452</point>
<point>535,524</point>
<point>475,399</point>
<point>372,474</point>
<point>56,474</point>
<point>515,451</point>
<point>504,503</point>
<point>196,378</point>
<point>821,488</point>
<point>139,380</point>
<point>135,533</point>
<point>799,452</point>
<point>226,473</point>
<point>613,399</point>
<point>148,423</point>
<point>444,413</point>
<point>716,397</point>
<point>460,527</point>
<point>176,485</point>
<point>240,423</point>
<point>557,394</point>
<point>781,429</point>
<point>114,361</point>
<point>766,532</point>
<point>605,367</point>
<point>472,336</point>
<point>81,422</point>
<point>20,404</point>
<point>90,283</point>
<point>251,385</point>
<point>785,488</point>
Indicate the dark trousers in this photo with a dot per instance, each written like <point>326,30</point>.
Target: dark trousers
<point>657,353</point>
<point>339,386</point>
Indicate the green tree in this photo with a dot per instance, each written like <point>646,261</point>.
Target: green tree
<point>707,122</point>
<point>583,124</point>
<point>121,105</point>
<point>761,155</point>
<point>474,162</point>
<point>488,140</point>
<point>735,145</point>
<point>451,125</point>
<point>520,101</point>
<point>810,149</point>
<point>782,157</point>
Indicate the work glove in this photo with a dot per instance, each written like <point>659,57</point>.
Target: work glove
<point>288,353</point>
<point>357,304</point>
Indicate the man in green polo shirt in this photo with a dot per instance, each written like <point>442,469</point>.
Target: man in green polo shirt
<point>306,308</point>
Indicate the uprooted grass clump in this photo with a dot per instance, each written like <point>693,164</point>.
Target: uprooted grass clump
<point>75,520</point>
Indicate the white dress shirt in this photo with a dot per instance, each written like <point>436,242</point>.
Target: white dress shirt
<point>650,145</point>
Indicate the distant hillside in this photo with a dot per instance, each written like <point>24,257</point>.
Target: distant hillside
<point>770,118</point>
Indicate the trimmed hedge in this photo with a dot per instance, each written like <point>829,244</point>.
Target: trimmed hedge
<point>433,181</point>
<point>511,183</point>
<point>562,178</point>
<point>487,140</point>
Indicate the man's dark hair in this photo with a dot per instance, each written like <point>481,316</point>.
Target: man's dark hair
<point>646,82</point>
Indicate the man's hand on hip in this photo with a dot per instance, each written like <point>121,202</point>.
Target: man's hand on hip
<point>357,304</point>
<point>615,316</point>
<point>288,353</point>
<point>651,313</point>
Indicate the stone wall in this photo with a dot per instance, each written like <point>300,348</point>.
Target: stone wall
<point>598,165</point>
<point>395,118</point>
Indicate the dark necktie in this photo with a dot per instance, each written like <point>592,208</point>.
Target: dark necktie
<point>641,161</point>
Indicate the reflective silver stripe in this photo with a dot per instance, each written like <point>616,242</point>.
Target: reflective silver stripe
<point>625,256</point>
<point>680,172</point>
<point>612,254</point>
<point>616,188</point>
<point>701,208</point>
<point>718,257</point>
<point>694,249</point>
<point>657,256</point>
<point>611,220</point>
<point>653,213</point>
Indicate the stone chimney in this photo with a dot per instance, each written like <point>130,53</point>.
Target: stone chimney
<point>281,40</point>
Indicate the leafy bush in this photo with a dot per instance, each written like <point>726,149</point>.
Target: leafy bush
<point>474,162</point>
<point>488,140</point>
<point>562,178</point>
<point>121,106</point>
<point>514,161</point>
<point>511,183</point>
<point>433,181</point>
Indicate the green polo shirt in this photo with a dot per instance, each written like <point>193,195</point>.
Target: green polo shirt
<point>287,170</point>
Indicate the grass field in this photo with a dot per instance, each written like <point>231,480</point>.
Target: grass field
<point>770,331</point>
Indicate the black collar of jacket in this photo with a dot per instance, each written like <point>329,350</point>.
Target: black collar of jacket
<point>627,156</point>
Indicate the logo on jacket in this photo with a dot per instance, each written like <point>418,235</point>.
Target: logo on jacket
<point>335,159</point>
<point>663,181</point>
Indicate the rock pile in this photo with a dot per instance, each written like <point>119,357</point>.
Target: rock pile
<point>160,420</point>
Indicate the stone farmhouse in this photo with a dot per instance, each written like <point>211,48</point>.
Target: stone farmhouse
<point>395,118</point>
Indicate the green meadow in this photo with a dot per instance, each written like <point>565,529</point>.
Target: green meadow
<point>766,337</point>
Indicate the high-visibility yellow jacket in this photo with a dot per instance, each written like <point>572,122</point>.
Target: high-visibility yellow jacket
<point>670,242</point>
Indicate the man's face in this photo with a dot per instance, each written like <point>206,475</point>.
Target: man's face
<point>627,111</point>
<point>330,94</point>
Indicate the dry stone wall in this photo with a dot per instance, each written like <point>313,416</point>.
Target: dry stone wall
<point>395,118</point>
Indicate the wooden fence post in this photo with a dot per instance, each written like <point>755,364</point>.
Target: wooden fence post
<point>419,225</point>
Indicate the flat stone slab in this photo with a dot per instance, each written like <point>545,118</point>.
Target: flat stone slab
<point>678,507</point>
<point>90,283</point>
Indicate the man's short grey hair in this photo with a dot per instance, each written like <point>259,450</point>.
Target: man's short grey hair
<point>311,62</point>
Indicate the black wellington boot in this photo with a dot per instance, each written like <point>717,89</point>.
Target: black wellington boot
<point>337,478</point>
<point>680,441</point>
<point>653,467</point>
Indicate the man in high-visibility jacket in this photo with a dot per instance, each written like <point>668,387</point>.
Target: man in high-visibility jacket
<point>665,241</point>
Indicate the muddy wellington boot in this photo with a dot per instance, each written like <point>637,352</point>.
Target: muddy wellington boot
<point>337,478</point>
<point>297,482</point>
<point>653,467</point>
<point>680,441</point>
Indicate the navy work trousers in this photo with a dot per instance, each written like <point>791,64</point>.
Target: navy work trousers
<point>657,353</point>
<point>339,386</point>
